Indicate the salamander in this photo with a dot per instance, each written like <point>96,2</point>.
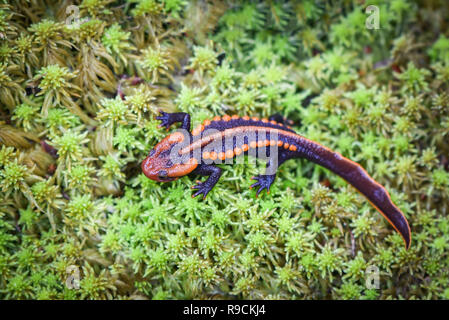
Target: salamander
<point>223,139</point>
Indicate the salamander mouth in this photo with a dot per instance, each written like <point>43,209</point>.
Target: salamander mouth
<point>166,179</point>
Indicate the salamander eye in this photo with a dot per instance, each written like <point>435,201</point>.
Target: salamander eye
<point>169,164</point>
<point>162,174</point>
<point>164,153</point>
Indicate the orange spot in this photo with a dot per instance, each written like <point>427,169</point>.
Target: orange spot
<point>206,123</point>
<point>237,151</point>
<point>255,119</point>
<point>182,169</point>
<point>245,147</point>
<point>286,145</point>
<point>198,130</point>
<point>229,154</point>
<point>293,148</point>
<point>213,155</point>
<point>206,155</point>
<point>273,122</point>
<point>216,118</point>
<point>246,118</point>
<point>253,144</point>
<point>176,137</point>
<point>260,143</point>
<point>221,156</point>
<point>280,143</point>
<point>272,142</point>
<point>235,117</point>
<point>226,118</point>
<point>264,120</point>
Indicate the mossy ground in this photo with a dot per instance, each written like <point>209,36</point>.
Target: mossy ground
<point>81,82</point>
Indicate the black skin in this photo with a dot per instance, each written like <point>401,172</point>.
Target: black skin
<point>213,172</point>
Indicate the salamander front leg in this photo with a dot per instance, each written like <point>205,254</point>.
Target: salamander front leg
<point>214,174</point>
<point>168,119</point>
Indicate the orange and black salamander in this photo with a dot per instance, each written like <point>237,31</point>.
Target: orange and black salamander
<point>223,139</point>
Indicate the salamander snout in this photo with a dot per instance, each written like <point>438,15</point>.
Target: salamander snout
<point>163,164</point>
<point>157,167</point>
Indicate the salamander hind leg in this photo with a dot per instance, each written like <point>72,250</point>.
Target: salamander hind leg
<point>264,181</point>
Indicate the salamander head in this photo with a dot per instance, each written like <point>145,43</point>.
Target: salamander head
<point>162,166</point>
